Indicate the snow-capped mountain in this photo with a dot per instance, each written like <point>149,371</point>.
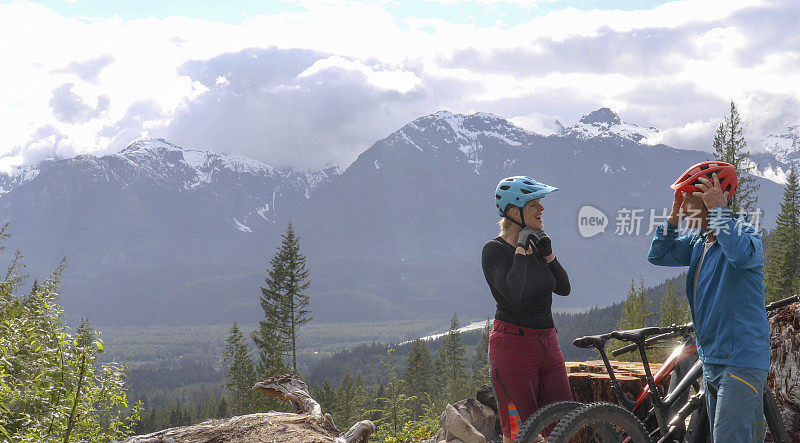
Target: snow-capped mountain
<point>779,152</point>
<point>257,187</point>
<point>459,137</point>
<point>606,123</point>
<point>160,234</point>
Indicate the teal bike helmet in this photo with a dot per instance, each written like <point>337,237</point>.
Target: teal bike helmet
<point>517,191</point>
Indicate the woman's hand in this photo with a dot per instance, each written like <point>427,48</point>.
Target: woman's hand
<point>524,237</point>
<point>542,242</point>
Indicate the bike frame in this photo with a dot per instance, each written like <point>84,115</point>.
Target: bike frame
<point>661,407</point>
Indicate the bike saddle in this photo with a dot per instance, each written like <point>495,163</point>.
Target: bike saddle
<point>591,341</point>
<point>635,335</point>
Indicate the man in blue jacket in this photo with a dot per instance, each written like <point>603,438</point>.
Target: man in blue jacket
<point>725,288</point>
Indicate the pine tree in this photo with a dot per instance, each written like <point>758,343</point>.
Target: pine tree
<point>453,354</point>
<point>393,407</point>
<point>674,309</point>
<point>350,399</point>
<point>480,362</point>
<point>284,302</point>
<point>635,314</point>
<point>730,146</point>
<point>636,308</point>
<point>240,374</point>
<point>418,376</point>
<point>781,272</point>
<point>325,394</point>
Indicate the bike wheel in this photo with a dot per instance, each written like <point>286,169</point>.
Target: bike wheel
<point>629,427</point>
<point>772,414</point>
<point>550,415</point>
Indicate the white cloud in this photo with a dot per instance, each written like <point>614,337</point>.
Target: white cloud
<point>135,77</point>
<point>396,79</point>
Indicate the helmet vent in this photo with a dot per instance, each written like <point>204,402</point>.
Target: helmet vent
<point>505,188</point>
<point>527,183</point>
<point>525,191</point>
<point>509,180</point>
<point>497,197</point>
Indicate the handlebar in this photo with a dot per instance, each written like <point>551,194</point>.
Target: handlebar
<point>668,333</point>
<point>782,303</point>
<point>688,327</point>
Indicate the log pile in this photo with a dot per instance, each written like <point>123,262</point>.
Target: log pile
<point>784,370</point>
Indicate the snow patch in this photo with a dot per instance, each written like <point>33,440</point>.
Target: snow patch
<point>241,227</point>
<point>784,147</point>
<point>262,211</point>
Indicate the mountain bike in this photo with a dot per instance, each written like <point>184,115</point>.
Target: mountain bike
<point>661,417</point>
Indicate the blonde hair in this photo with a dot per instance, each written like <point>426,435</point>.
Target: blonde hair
<point>504,223</point>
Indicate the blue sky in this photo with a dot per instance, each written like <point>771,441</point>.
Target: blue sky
<point>235,11</point>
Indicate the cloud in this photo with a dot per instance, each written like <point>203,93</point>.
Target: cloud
<point>636,52</point>
<point>296,107</point>
<point>69,107</point>
<point>89,70</point>
<point>142,117</point>
<point>46,141</point>
<point>337,76</point>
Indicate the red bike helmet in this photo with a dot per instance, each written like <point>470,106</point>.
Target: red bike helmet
<point>726,174</point>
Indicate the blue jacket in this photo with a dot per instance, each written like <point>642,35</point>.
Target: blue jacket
<point>729,316</point>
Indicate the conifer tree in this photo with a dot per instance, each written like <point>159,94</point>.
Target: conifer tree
<point>284,301</point>
<point>394,406</point>
<point>782,270</point>
<point>635,313</point>
<point>350,399</point>
<point>731,147</point>
<point>418,376</point>
<point>453,354</point>
<point>240,374</point>
<point>480,362</point>
<point>325,394</point>
<point>674,309</point>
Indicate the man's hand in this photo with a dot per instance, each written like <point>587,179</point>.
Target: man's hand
<point>711,192</point>
<point>675,216</point>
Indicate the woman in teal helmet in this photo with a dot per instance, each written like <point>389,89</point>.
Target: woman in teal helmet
<point>522,272</point>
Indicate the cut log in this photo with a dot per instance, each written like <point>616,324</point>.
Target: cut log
<point>784,370</point>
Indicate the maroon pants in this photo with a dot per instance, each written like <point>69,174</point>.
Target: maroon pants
<point>528,372</point>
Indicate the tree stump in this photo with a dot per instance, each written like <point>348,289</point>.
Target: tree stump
<point>590,382</point>
<point>784,369</point>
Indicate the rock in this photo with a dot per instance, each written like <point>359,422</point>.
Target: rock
<point>485,395</point>
<point>457,425</point>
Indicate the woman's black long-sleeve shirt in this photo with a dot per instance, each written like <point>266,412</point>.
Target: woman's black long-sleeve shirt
<point>522,285</point>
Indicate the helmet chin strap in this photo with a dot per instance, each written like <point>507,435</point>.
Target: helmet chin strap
<point>521,217</point>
